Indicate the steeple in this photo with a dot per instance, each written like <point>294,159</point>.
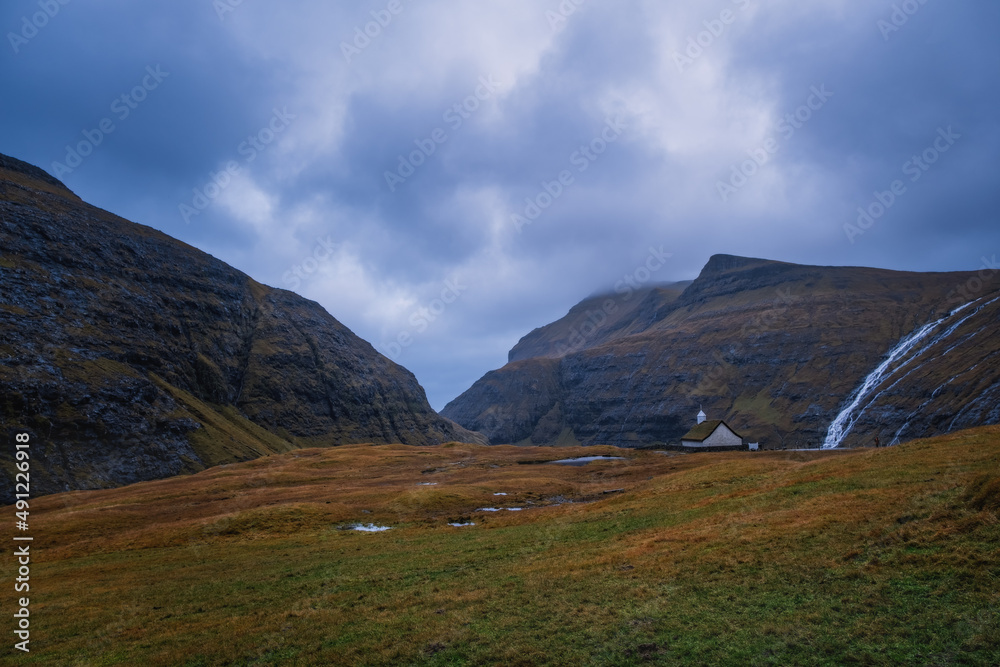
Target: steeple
<point>701,416</point>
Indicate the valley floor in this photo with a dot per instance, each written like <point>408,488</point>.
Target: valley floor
<point>877,557</point>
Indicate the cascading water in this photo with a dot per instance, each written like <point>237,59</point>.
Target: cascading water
<point>845,420</point>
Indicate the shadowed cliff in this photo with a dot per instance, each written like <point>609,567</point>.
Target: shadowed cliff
<point>129,355</point>
<point>776,349</point>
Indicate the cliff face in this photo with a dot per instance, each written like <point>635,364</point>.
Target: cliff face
<point>776,349</point>
<point>596,320</point>
<point>947,380</point>
<point>129,355</point>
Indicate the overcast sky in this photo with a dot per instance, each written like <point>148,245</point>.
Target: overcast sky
<point>514,156</point>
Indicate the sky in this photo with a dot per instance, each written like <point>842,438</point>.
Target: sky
<point>444,177</point>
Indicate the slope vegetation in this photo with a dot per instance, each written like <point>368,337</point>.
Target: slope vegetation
<point>775,349</point>
<point>879,557</point>
<point>132,356</point>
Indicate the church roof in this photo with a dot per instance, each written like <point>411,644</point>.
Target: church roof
<point>702,431</point>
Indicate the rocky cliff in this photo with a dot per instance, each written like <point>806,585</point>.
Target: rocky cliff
<point>778,350</point>
<point>595,320</point>
<point>129,355</point>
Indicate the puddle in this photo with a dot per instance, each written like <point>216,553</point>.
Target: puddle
<point>499,509</point>
<point>427,484</point>
<point>461,525</point>
<point>370,528</point>
<point>499,494</point>
<point>584,460</point>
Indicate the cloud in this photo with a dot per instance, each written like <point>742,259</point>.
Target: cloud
<point>700,88</point>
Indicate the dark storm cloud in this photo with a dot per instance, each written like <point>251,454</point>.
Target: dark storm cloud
<point>687,116</point>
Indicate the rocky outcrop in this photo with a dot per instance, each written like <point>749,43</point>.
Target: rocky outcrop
<point>775,349</point>
<point>129,355</point>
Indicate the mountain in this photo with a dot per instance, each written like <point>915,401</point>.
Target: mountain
<point>596,319</point>
<point>129,355</point>
<point>780,351</point>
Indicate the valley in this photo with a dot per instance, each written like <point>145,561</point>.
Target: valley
<point>817,558</point>
<point>500,334</point>
<point>130,355</point>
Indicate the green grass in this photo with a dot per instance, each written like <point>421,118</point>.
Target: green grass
<point>878,557</point>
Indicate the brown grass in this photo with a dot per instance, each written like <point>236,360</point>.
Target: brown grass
<point>879,557</point>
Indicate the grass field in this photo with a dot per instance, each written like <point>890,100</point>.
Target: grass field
<point>887,556</point>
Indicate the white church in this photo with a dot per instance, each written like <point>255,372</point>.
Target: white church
<point>711,434</point>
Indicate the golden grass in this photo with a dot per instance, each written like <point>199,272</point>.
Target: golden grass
<point>225,434</point>
<point>874,557</point>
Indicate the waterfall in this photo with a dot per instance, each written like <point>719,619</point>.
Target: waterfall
<point>845,420</point>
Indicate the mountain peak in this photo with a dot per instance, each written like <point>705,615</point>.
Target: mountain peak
<point>140,357</point>
<point>722,263</point>
<point>775,348</point>
<point>17,168</point>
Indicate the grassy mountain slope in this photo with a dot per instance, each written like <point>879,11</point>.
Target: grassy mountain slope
<point>128,354</point>
<point>776,349</point>
<point>876,557</point>
<point>595,320</point>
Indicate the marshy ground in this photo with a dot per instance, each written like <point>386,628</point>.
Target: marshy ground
<point>885,556</point>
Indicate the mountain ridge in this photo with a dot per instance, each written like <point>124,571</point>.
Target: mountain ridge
<point>773,347</point>
<point>130,355</point>
<point>598,312</point>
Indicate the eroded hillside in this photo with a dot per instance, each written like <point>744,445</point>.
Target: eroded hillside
<point>130,355</point>
<point>776,349</point>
